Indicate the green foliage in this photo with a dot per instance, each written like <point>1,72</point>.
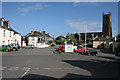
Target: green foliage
<point>60,40</point>
<point>69,37</point>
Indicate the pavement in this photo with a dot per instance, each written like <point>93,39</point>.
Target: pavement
<point>44,63</point>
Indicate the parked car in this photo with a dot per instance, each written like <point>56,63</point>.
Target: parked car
<point>86,51</point>
<point>14,46</point>
<point>61,49</point>
<point>5,48</point>
<point>52,44</point>
<point>18,46</point>
<point>117,57</point>
<point>91,52</point>
<point>80,49</point>
<point>30,46</point>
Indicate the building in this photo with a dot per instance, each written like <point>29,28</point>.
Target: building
<point>90,36</point>
<point>106,31</point>
<point>17,38</point>
<point>38,38</point>
<point>107,25</point>
<point>7,34</point>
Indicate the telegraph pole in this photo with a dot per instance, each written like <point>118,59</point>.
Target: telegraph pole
<point>85,36</point>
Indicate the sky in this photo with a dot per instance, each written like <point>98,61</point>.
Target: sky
<point>59,18</point>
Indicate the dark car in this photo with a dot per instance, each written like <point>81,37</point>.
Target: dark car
<point>91,52</point>
<point>15,47</point>
<point>117,57</point>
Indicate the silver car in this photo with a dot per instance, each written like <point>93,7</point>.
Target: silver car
<point>30,46</point>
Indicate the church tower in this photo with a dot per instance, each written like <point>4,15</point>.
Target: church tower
<point>107,26</point>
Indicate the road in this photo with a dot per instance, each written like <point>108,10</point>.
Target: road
<point>44,63</point>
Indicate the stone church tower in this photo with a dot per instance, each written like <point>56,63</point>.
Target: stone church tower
<point>107,26</point>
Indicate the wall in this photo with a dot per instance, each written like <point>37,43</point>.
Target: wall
<point>7,36</point>
<point>18,37</point>
<point>97,44</point>
<point>33,40</point>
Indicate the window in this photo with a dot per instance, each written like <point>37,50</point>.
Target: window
<point>4,33</point>
<point>3,42</point>
<point>8,42</point>
<point>38,39</point>
<point>10,33</point>
<point>2,23</point>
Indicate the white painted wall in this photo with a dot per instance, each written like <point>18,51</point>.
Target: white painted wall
<point>18,37</point>
<point>33,40</point>
<point>7,37</point>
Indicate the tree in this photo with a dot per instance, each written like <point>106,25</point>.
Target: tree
<point>60,40</point>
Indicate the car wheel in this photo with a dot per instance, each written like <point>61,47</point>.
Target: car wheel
<point>116,60</point>
<point>14,49</point>
<point>6,50</point>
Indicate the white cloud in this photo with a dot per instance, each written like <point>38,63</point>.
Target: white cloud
<point>80,26</point>
<point>37,6</point>
<point>23,14</point>
<point>23,9</point>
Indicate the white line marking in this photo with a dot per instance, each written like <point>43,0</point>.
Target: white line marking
<point>46,68</point>
<point>36,68</point>
<point>67,68</point>
<point>57,68</point>
<point>76,68</point>
<point>26,72</point>
<point>25,68</point>
<point>13,68</point>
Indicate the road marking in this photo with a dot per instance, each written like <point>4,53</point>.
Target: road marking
<point>25,72</point>
<point>57,68</point>
<point>25,68</point>
<point>76,68</point>
<point>13,68</point>
<point>47,68</point>
<point>67,68</point>
<point>36,68</point>
<point>3,68</point>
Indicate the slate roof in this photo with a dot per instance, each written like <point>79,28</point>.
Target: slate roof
<point>8,28</point>
<point>100,39</point>
<point>36,34</point>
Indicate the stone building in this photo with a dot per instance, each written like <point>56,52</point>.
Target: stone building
<point>106,31</point>
<point>107,26</point>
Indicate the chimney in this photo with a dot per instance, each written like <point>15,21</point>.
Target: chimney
<point>32,31</point>
<point>1,21</point>
<point>39,31</point>
<point>7,24</point>
<point>43,32</point>
<point>35,29</point>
